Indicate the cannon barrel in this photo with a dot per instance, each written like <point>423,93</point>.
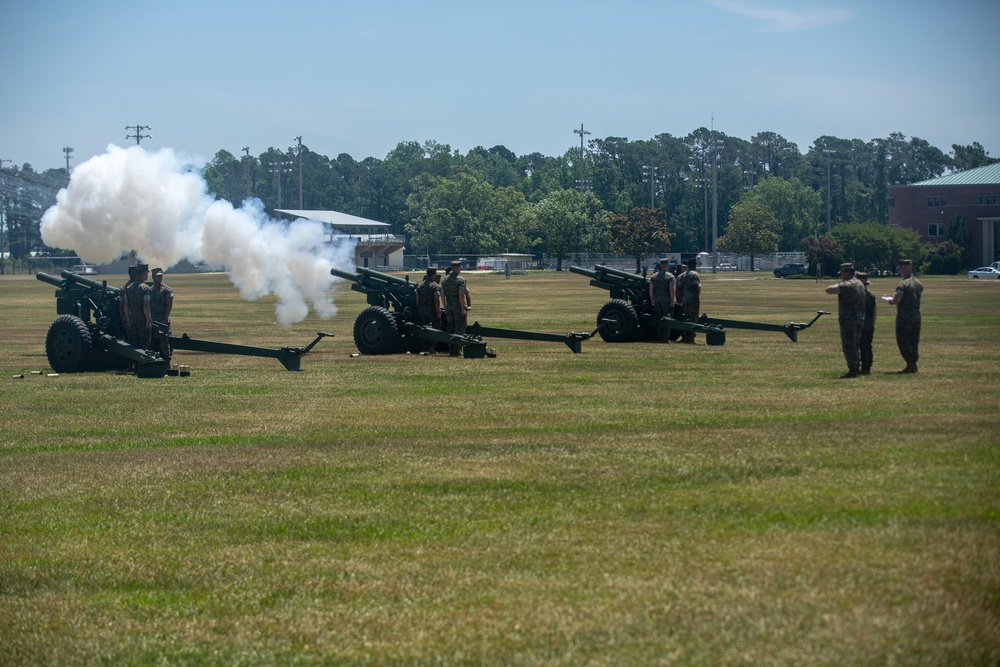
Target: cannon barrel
<point>353,277</point>
<point>371,273</point>
<point>600,268</point>
<point>378,275</point>
<point>77,279</point>
<point>46,278</point>
<point>583,272</point>
<point>87,282</point>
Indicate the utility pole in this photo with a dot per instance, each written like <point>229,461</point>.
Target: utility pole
<point>3,224</point>
<point>67,151</point>
<point>298,150</point>
<point>138,136</point>
<point>246,166</point>
<point>649,174</point>
<point>581,184</point>
<point>829,206</point>
<point>704,191</point>
<point>715,200</point>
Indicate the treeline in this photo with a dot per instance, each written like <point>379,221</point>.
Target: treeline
<point>491,199</point>
<point>619,195</point>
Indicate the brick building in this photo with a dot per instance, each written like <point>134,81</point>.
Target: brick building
<point>928,206</point>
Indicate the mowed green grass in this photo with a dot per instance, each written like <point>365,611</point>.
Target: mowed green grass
<point>634,504</point>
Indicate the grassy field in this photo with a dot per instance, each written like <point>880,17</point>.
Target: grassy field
<point>634,504</point>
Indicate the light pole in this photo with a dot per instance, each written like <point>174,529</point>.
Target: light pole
<point>298,150</point>
<point>704,191</point>
<point>649,173</point>
<point>67,151</point>
<point>829,205</point>
<point>581,184</point>
<point>3,225</point>
<point>715,199</point>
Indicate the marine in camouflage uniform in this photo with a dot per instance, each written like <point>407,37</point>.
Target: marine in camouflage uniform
<point>868,331</point>
<point>123,301</point>
<point>907,302</point>
<point>161,303</point>
<point>851,301</point>
<point>457,303</point>
<point>689,291</point>
<point>137,310</point>
<point>663,295</point>
<point>429,304</point>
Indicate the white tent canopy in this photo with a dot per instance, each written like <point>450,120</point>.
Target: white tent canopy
<point>342,220</point>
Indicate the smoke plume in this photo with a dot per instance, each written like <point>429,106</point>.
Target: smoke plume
<point>157,205</point>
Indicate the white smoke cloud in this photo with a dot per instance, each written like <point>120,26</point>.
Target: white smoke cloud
<point>157,205</point>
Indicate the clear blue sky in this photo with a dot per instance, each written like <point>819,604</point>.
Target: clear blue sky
<point>359,77</point>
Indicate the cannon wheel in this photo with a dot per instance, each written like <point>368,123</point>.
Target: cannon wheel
<point>624,321</point>
<point>375,332</point>
<point>68,344</point>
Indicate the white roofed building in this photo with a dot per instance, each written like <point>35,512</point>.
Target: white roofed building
<point>377,246</point>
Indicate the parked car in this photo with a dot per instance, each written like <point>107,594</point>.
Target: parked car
<point>726,266</point>
<point>987,272</point>
<point>84,270</point>
<point>790,270</point>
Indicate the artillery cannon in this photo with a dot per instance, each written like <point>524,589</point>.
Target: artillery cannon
<point>389,325</point>
<point>629,316</point>
<point>88,334</point>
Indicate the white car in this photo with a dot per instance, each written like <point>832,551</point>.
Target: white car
<point>987,272</point>
<point>84,270</point>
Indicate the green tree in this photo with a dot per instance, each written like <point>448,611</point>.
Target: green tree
<point>753,229</point>
<point>798,207</point>
<point>466,215</point>
<point>823,252</point>
<point>640,233</point>
<point>877,247</point>
<point>566,220</point>
<point>225,176</point>
<point>970,157</point>
<point>960,234</point>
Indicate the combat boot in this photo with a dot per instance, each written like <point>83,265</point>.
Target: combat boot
<point>911,367</point>
<point>852,373</point>
<point>866,370</point>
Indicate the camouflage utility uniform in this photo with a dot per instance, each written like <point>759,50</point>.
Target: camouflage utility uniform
<point>868,333</point>
<point>160,297</point>
<point>908,318</point>
<point>452,287</point>
<point>851,302</point>
<point>427,312</point>
<point>661,282</point>
<point>137,296</point>
<point>689,294</point>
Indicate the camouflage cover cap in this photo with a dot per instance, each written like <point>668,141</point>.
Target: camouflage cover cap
<point>140,267</point>
<point>456,262</point>
<point>862,276</point>
<point>431,270</point>
<point>906,262</point>
<point>847,266</point>
<point>665,260</point>
<point>693,263</point>
<point>157,271</point>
